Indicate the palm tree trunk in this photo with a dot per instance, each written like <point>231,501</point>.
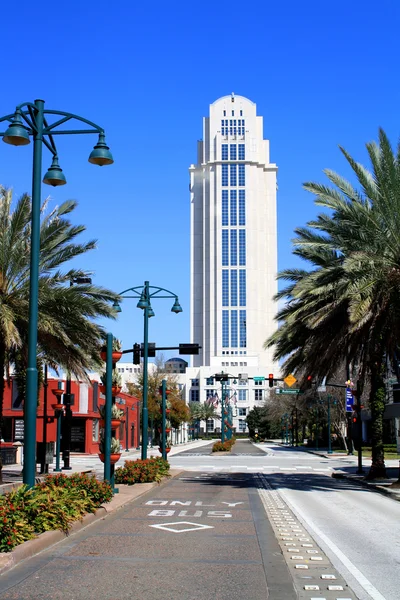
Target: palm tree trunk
<point>2,366</point>
<point>377,406</point>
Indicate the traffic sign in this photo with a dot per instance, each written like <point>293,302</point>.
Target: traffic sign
<point>290,380</point>
<point>349,400</point>
<point>292,391</point>
<point>258,378</point>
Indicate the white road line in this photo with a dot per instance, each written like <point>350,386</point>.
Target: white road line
<point>362,580</point>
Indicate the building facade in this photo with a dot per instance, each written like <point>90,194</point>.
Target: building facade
<point>85,425</point>
<point>233,254</point>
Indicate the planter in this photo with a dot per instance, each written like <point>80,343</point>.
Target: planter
<point>115,356</point>
<point>167,430</point>
<point>166,450</point>
<point>115,423</point>
<point>113,458</point>
<point>57,406</point>
<point>114,390</point>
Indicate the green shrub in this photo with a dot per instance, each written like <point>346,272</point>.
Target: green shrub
<point>55,503</point>
<point>98,491</point>
<point>14,527</point>
<point>142,471</point>
<point>223,446</point>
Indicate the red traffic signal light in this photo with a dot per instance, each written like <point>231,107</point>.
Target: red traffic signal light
<point>271,380</point>
<point>309,381</point>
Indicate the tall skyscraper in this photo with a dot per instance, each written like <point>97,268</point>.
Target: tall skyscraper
<point>233,239</point>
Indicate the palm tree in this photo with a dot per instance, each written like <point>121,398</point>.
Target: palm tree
<point>206,412</point>
<point>68,335</point>
<point>347,306</point>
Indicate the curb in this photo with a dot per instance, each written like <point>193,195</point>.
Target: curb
<point>9,560</point>
<point>394,495</point>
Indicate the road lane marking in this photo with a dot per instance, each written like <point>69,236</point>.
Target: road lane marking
<point>357,574</point>
<point>173,527</point>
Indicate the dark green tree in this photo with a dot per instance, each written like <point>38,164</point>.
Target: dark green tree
<point>346,307</point>
<point>68,332</point>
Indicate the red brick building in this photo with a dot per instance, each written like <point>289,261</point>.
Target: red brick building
<point>85,429</point>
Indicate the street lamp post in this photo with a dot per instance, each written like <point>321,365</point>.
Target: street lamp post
<point>145,294</point>
<point>30,119</point>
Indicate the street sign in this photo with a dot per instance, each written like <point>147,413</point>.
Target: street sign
<point>258,378</point>
<point>349,400</point>
<point>288,392</point>
<point>290,380</point>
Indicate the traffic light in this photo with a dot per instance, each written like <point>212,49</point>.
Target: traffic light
<point>49,419</point>
<point>136,354</point>
<point>309,382</point>
<point>271,380</point>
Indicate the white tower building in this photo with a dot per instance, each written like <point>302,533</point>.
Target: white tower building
<point>233,237</point>
<point>233,250</point>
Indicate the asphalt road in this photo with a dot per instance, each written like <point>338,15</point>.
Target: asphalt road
<point>194,537</point>
<point>264,520</point>
<point>357,528</point>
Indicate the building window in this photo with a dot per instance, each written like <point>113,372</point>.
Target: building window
<point>234,247</point>
<point>211,394</point>
<point>233,152</point>
<point>242,287</point>
<point>224,113</point>
<point>224,177</point>
<point>210,425</point>
<point>225,251</point>
<point>225,287</point>
<point>258,382</point>
<point>234,329</point>
<point>224,152</point>
<point>242,394</point>
<point>241,113</point>
<point>242,247</point>
<point>242,176</point>
<point>210,381</point>
<point>234,288</point>
<point>225,329</point>
<point>242,152</point>
<point>233,178</point>
<point>242,412</point>
<point>258,395</point>
<point>241,127</point>
<point>233,113</point>
<point>95,430</point>
<point>242,207</point>
<point>233,208</point>
<point>242,327</point>
<point>224,127</point>
<point>195,382</point>
<point>194,396</point>
<point>225,221</point>
<point>242,425</point>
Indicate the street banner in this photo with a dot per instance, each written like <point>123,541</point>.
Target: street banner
<point>349,400</point>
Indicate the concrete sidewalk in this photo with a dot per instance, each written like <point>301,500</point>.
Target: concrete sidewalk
<point>84,463</point>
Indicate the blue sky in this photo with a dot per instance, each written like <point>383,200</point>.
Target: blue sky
<point>321,74</point>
